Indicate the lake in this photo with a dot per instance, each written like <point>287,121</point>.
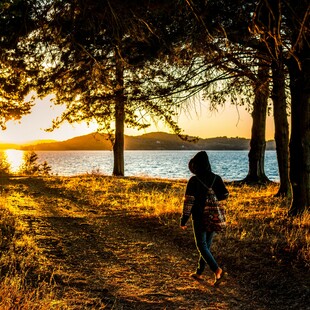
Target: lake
<point>231,165</point>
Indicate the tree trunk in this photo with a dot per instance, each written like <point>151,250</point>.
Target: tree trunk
<point>118,147</point>
<point>281,126</point>
<point>256,155</point>
<point>299,70</point>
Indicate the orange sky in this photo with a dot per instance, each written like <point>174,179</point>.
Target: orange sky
<point>203,123</point>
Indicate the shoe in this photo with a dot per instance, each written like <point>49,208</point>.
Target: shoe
<point>219,280</point>
<point>197,276</point>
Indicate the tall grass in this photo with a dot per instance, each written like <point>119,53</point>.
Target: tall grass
<point>257,223</point>
<point>21,286</point>
<point>255,216</point>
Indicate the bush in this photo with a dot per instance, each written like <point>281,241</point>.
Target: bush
<point>32,167</point>
<point>4,167</point>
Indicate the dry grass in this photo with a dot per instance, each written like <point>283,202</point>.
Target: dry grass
<point>256,216</point>
<point>96,242</point>
<point>22,285</point>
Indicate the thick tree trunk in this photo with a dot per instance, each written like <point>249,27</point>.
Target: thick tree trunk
<point>281,126</point>
<point>118,147</point>
<point>256,155</point>
<point>300,134</point>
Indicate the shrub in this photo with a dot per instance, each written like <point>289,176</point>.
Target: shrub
<point>32,167</point>
<point>4,167</point>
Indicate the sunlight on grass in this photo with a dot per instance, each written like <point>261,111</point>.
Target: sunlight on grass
<point>253,213</point>
<point>20,262</point>
<point>259,231</point>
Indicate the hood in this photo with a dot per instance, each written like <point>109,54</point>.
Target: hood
<point>200,164</point>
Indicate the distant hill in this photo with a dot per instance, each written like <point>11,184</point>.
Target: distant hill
<point>7,146</point>
<point>149,141</point>
<point>93,141</point>
<point>39,142</point>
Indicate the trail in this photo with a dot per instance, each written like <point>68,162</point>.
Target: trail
<point>109,258</point>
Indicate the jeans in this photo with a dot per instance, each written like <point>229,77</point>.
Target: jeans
<point>203,241</point>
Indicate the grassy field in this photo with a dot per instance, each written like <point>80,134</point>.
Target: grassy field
<point>98,242</point>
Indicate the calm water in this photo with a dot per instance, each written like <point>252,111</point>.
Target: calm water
<point>231,165</point>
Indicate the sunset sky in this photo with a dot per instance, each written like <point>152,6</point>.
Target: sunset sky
<point>201,122</point>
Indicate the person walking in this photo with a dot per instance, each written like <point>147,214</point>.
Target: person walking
<point>194,202</point>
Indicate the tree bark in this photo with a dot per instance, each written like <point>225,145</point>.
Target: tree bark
<point>118,147</point>
<point>256,155</point>
<point>281,126</point>
<point>299,71</point>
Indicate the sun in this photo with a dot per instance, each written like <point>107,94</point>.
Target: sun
<point>15,159</point>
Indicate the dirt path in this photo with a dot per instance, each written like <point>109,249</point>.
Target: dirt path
<point>109,258</point>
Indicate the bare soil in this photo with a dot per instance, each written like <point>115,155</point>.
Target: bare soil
<point>116,258</point>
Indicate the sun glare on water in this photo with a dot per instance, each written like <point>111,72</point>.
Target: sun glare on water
<point>15,159</point>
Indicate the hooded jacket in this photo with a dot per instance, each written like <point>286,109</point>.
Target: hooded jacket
<point>195,194</point>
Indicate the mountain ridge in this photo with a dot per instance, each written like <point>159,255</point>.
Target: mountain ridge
<point>148,141</point>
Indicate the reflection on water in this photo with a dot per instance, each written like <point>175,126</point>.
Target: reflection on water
<point>14,158</point>
<point>231,165</point>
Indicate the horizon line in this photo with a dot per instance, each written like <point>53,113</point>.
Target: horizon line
<point>38,141</point>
